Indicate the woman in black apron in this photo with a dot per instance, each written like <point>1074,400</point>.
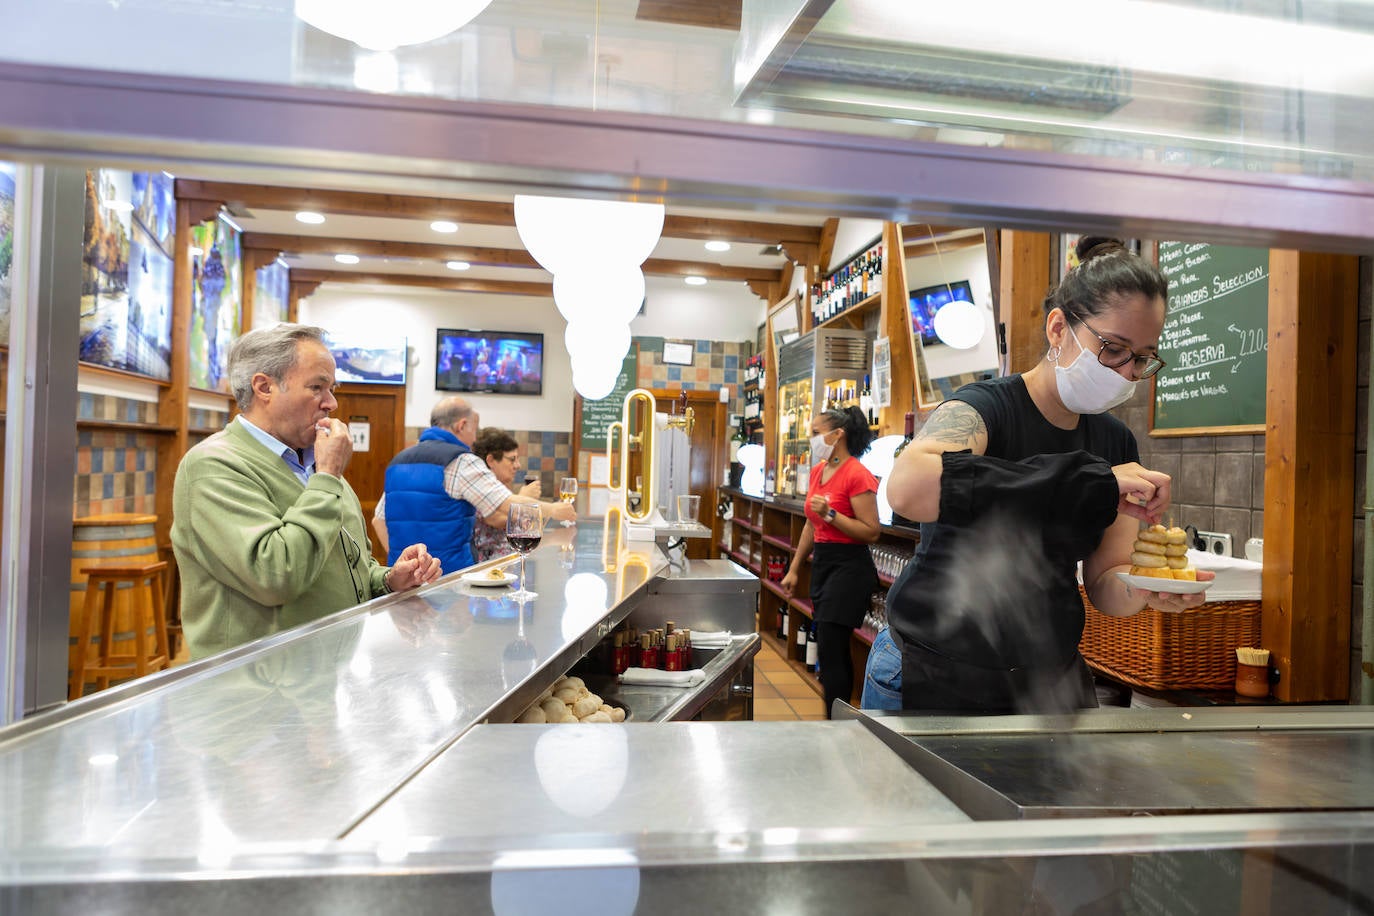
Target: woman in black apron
<point>841,521</point>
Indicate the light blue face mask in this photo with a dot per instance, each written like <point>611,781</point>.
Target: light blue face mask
<point>1087,386</point>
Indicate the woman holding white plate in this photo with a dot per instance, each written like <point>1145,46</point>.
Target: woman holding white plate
<point>1017,479</point>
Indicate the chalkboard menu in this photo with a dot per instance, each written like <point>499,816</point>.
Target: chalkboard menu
<point>596,416</point>
<point>1215,340</point>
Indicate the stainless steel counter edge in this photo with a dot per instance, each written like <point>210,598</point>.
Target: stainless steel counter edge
<point>428,855</point>
<point>1199,719</point>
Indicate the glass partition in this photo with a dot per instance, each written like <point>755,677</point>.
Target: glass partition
<point>1251,86</point>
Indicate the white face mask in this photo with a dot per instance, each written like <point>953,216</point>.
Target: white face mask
<point>820,449</point>
<point>1087,386</point>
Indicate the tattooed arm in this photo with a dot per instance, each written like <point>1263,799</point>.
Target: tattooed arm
<point>913,488</point>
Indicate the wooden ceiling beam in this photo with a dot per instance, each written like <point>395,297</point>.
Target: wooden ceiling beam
<point>380,248</point>
<point>450,284</point>
<point>663,267</point>
<point>481,212</point>
<point>920,249</point>
<point>489,257</point>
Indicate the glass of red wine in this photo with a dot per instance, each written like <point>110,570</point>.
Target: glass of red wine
<point>524,528</point>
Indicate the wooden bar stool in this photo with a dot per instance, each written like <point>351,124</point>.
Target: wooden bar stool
<point>146,582</point>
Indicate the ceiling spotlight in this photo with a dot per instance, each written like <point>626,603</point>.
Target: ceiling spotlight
<point>694,281</point>
<point>312,219</point>
<point>457,265</point>
<point>346,258</point>
<point>443,225</point>
<point>714,245</point>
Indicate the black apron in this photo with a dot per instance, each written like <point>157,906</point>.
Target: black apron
<point>843,578</point>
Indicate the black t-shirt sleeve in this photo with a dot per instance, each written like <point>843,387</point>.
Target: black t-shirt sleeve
<point>993,407</point>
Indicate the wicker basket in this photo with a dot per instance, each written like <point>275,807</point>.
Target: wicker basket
<point>1195,649</point>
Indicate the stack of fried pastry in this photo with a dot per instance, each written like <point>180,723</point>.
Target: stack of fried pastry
<point>1162,553</point>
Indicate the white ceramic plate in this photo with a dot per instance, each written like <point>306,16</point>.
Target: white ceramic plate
<point>482,579</point>
<point>1172,586</point>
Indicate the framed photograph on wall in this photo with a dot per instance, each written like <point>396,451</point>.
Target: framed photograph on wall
<point>126,276</point>
<point>7,192</point>
<point>372,362</point>
<point>677,354</point>
<point>216,301</point>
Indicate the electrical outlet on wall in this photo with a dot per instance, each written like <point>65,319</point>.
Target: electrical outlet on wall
<point>1214,542</point>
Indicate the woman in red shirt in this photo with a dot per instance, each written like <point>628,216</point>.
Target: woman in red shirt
<point>841,521</point>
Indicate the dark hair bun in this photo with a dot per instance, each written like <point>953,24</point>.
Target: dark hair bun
<point>1095,246</point>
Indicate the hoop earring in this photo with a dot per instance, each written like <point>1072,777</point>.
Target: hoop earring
<point>1053,354</point>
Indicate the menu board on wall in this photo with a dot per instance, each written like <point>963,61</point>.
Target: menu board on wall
<point>1215,341</point>
<point>595,417</point>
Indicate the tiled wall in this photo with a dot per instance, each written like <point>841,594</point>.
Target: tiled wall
<point>1218,481</point>
<point>115,472</point>
<point>547,454</point>
<point>106,407</point>
<point>714,363</point>
<point>206,418</point>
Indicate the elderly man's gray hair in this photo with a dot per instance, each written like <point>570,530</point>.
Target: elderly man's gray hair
<point>448,412</point>
<point>271,351</point>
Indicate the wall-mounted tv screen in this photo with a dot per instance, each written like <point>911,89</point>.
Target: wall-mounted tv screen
<point>927,300</point>
<point>489,362</point>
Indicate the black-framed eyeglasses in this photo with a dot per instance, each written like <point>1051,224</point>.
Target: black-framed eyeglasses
<point>352,554</point>
<point>1115,355</point>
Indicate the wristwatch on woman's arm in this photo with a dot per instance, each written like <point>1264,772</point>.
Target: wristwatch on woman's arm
<point>830,515</point>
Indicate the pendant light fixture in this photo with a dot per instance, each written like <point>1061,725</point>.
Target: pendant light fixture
<point>594,249</point>
<point>384,26</point>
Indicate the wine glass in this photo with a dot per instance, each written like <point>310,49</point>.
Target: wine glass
<point>567,493</point>
<point>524,528</point>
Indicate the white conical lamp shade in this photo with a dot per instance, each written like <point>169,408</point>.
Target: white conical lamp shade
<point>569,234</point>
<point>382,26</point>
<point>959,324</point>
<point>594,384</point>
<point>596,343</point>
<point>612,294</point>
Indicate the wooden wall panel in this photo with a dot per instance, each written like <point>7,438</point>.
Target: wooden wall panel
<point>1309,468</point>
<point>1024,281</point>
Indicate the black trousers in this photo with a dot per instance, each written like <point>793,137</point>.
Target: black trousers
<point>836,661</point>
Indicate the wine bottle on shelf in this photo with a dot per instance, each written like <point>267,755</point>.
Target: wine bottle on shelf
<point>800,648</point>
<point>812,653</point>
<point>866,403</point>
<point>782,622</point>
<point>908,433</point>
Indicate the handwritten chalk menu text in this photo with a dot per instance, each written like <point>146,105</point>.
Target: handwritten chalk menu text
<point>1215,340</point>
<point>597,416</point>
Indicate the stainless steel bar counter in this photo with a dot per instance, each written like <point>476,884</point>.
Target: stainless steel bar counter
<point>296,737</point>
<point>346,768</point>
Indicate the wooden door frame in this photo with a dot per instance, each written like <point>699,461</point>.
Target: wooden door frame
<point>698,399</point>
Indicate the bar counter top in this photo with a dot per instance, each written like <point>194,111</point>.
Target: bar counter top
<point>295,737</point>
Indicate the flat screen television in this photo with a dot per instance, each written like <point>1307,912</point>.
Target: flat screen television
<point>927,300</point>
<point>489,362</point>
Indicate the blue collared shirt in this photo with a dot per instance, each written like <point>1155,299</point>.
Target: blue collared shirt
<point>302,464</point>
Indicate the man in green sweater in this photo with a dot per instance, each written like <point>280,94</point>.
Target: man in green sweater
<point>267,533</point>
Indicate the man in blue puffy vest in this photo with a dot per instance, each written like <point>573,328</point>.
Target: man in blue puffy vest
<point>424,499</point>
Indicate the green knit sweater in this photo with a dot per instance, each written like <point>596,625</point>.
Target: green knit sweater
<point>257,551</point>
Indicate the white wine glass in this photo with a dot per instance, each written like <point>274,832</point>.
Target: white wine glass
<point>524,528</point>
<point>567,493</point>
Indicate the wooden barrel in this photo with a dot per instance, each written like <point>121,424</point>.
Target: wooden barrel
<point>118,539</point>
